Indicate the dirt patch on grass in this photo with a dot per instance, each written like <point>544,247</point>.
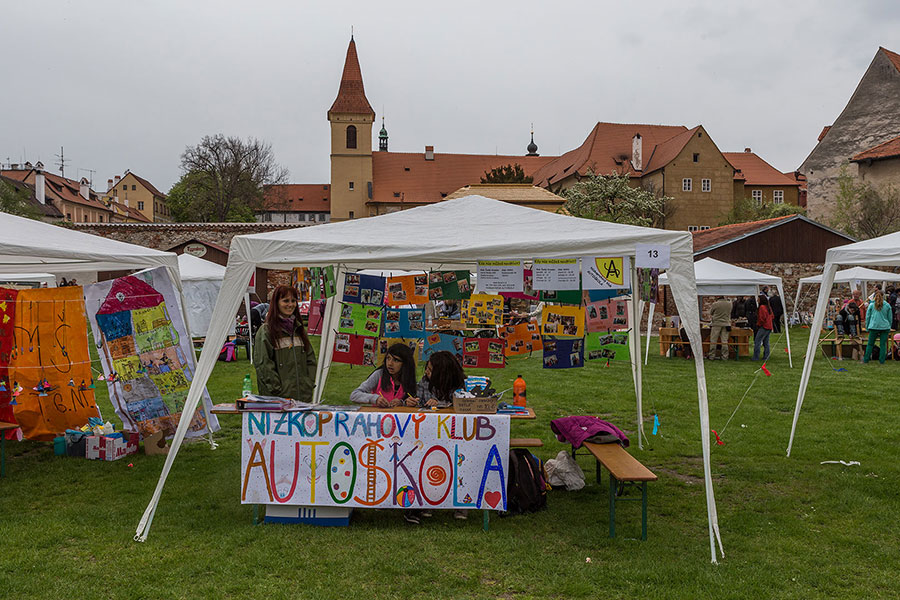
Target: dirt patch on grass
<point>683,477</point>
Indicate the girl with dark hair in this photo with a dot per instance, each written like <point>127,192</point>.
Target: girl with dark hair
<point>443,376</point>
<point>284,359</point>
<point>392,383</point>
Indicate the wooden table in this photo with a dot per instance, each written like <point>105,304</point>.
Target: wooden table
<point>738,337</point>
<point>229,408</point>
<point>4,427</point>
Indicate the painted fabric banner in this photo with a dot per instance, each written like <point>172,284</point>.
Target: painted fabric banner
<point>521,338</point>
<point>360,319</point>
<point>375,460</point>
<point>404,322</point>
<point>407,289</point>
<point>563,353</point>
<point>364,289</point>
<point>449,285</point>
<point>609,346</point>
<point>148,358</point>
<point>45,352</point>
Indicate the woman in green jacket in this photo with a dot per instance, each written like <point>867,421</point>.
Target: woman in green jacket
<point>284,359</point>
<point>878,322</point>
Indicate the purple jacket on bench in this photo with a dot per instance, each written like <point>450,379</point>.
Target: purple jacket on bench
<point>577,429</point>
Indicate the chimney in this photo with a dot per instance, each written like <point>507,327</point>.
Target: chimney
<point>637,151</point>
<point>85,189</point>
<point>747,150</point>
<point>108,184</point>
<point>117,180</point>
<point>28,165</point>
<point>40,189</point>
<point>429,152</point>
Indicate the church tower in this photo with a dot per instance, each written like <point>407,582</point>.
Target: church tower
<point>351,117</point>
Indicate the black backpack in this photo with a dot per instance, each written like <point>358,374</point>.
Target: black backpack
<point>525,490</point>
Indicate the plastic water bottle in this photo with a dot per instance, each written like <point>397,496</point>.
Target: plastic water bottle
<point>248,385</point>
<point>519,391</point>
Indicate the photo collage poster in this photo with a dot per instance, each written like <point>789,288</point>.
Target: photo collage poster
<point>147,355</point>
<point>364,289</point>
<point>607,346</point>
<point>354,349</point>
<point>563,353</point>
<point>482,310</point>
<point>360,319</point>
<point>484,353</point>
<point>606,315</point>
<point>648,284</point>
<point>407,289</point>
<point>522,338</point>
<point>573,297</point>
<point>404,322</point>
<point>449,285</point>
<point>563,321</point>
<point>439,342</point>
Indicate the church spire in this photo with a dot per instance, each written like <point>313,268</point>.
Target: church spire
<point>382,138</point>
<point>351,98</point>
<point>532,147</point>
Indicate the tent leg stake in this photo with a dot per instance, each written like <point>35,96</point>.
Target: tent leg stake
<point>612,506</point>
<point>486,520</point>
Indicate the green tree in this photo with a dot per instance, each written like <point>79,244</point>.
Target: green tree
<point>747,209</point>
<point>223,179</point>
<point>612,198</point>
<point>864,211</point>
<point>507,174</point>
<point>15,200</point>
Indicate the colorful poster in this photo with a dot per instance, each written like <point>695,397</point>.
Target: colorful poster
<point>606,315</point>
<point>329,285</point>
<point>556,274</point>
<point>522,338</point>
<point>573,297</point>
<point>606,273</point>
<point>45,363</point>
<point>437,342</point>
<point>148,358</point>
<point>484,353</point>
<point>648,284</point>
<point>607,346</point>
<point>563,353</point>
<point>375,460</point>
<point>404,322</point>
<point>449,285</point>
<point>314,283</point>
<point>315,315</point>
<point>482,310</point>
<point>500,276</point>
<point>360,319</point>
<point>354,349</point>
<point>563,321</point>
<point>364,289</point>
<point>385,343</point>
<point>527,292</point>
<point>407,289</point>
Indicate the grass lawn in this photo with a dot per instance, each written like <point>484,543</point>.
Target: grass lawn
<point>791,527</point>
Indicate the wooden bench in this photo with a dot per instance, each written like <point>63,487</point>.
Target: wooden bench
<point>4,427</point>
<point>622,467</point>
<point>525,443</point>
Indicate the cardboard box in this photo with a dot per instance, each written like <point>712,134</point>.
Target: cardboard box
<point>483,406</point>
<point>111,448</point>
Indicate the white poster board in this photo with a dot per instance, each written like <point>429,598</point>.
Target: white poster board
<point>556,274</point>
<point>501,276</point>
<point>375,460</point>
<point>606,272</point>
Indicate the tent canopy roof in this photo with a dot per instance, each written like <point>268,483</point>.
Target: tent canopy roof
<point>855,274</point>
<point>715,278</point>
<point>884,250</point>
<point>29,246</point>
<point>453,232</point>
<point>198,269</point>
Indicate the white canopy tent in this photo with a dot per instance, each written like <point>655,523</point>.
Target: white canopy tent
<point>881,251</point>
<point>717,278</point>
<point>424,238</point>
<point>35,279</point>
<point>855,276</point>
<point>202,280</point>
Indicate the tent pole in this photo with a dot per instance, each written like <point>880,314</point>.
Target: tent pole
<point>250,338</point>
<point>787,330</point>
<point>636,313</point>
<point>649,331</point>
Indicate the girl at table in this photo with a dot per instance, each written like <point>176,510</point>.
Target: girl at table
<point>392,383</point>
<point>284,359</point>
<point>443,376</point>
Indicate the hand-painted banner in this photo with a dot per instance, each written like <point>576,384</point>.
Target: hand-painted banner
<point>407,289</point>
<point>563,353</point>
<point>606,273</point>
<point>484,353</point>
<point>364,289</point>
<point>375,460</point>
<point>500,276</point>
<point>483,310</point>
<point>148,358</point>
<point>449,285</point>
<point>8,387</point>
<point>607,346</point>
<point>360,319</point>
<point>606,315</point>
<point>556,274</point>
<point>563,321</point>
<point>437,342</point>
<point>47,359</point>
<point>522,338</point>
<point>404,322</point>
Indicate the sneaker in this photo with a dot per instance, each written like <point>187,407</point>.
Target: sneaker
<point>460,514</point>
<point>411,517</point>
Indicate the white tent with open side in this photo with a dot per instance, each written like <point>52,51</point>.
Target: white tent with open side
<point>447,235</point>
<point>882,251</point>
<point>857,277</point>
<point>717,278</point>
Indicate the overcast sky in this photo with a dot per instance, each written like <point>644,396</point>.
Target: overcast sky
<point>127,85</point>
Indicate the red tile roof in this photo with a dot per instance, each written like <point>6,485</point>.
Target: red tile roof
<point>607,149</point>
<point>408,177</point>
<point>150,187</point>
<point>756,171</point>
<point>892,56</point>
<point>351,96</point>
<point>666,152</point>
<point>888,149</point>
<point>58,188</point>
<point>798,177</point>
<point>824,132</point>
<point>717,235</point>
<point>298,197</point>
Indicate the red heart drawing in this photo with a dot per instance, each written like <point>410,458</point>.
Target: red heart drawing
<point>492,498</point>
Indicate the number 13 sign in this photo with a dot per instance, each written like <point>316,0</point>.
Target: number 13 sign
<point>652,256</point>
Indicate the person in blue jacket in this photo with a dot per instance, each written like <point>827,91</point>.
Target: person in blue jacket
<point>878,323</point>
